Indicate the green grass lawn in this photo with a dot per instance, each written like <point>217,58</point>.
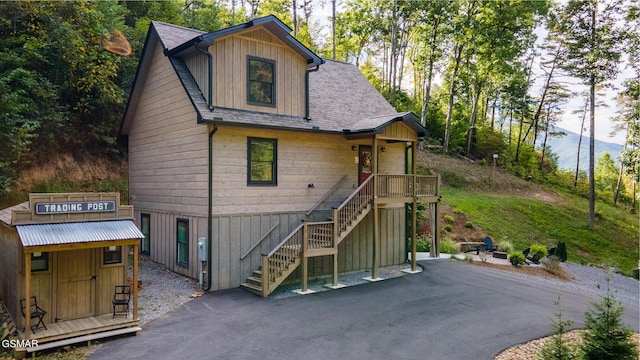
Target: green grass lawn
<point>526,221</point>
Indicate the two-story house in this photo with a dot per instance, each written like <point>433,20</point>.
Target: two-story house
<point>249,154</point>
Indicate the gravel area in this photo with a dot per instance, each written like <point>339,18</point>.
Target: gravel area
<point>161,290</point>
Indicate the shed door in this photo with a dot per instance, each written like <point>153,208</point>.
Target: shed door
<point>76,285</point>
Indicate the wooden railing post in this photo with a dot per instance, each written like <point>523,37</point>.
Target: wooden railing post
<point>305,244</point>
<point>266,277</point>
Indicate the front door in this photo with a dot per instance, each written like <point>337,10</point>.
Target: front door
<point>76,284</point>
<point>365,163</point>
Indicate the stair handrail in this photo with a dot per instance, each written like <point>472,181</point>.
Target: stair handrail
<point>325,196</point>
<point>340,219</point>
<point>355,192</point>
<point>267,271</point>
<point>259,241</point>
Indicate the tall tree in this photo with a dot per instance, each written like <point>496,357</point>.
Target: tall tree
<point>591,35</point>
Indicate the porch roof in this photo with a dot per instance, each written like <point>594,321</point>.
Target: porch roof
<point>76,233</point>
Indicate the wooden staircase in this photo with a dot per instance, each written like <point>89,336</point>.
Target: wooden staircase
<point>310,239</point>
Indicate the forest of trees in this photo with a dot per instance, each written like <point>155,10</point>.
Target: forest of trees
<point>484,77</point>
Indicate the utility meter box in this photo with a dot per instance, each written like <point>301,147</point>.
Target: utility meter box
<point>202,249</point>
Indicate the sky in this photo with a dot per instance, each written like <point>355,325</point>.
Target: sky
<point>569,121</point>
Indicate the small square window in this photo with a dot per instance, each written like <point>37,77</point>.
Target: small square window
<point>112,255</point>
<point>262,158</point>
<point>39,261</point>
<point>261,85</point>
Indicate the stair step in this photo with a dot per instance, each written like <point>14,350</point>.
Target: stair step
<point>252,288</point>
<point>252,280</point>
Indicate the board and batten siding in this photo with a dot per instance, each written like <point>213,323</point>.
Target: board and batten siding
<point>230,72</point>
<point>168,163</point>
<point>10,253</point>
<point>234,236</point>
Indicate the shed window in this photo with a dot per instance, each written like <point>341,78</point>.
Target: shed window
<point>112,255</point>
<point>262,156</point>
<point>261,85</point>
<point>145,228</point>
<point>39,261</point>
<point>182,237</point>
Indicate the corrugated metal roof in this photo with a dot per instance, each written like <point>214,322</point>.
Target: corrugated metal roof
<point>81,232</point>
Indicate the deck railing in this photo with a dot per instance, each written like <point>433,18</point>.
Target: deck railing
<point>402,185</point>
<point>319,235</point>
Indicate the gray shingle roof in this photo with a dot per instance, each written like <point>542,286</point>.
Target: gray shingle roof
<point>172,36</point>
<point>340,97</point>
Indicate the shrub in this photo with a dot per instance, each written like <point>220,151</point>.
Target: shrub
<point>458,211</point>
<point>448,218</point>
<point>448,246</point>
<point>561,251</point>
<point>537,252</point>
<point>605,336</point>
<point>447,228</point>
<point>516,258</point>
<point>423,244</point>
<point>505,245</point>
<point>468,225</point>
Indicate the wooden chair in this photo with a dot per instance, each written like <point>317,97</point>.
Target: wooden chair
<point>36,313</point>
<point>121,297</point>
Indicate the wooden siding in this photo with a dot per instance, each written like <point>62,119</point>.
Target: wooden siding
<point>230,72</point>
<point>235,234</point>
<point>167,148</point>
<point>10,252</point>
<point>46,285</point>
<point>398,131</point>
<point>355,252</point>
<point>393,159</point>
<point>303,159</point>
<point>197,65</point>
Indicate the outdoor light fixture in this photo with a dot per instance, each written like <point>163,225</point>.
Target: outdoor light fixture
<point>354,147</point>
<point>311,186</point>
<point>383,149</point>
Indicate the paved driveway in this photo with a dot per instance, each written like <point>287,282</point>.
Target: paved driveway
<point>451,310</point>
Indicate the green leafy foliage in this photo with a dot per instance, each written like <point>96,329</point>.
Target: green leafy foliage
<point>468,225</point>
<point>537,252</point>
<point>449,219</point>
<point>516,258</point>
<point>448,246</point>
<point>505,245</point>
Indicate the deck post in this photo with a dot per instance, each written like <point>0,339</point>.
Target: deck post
<point>334,237</point>
<point>374,189</point>
<point>414,212</point>
<point>266,277</point>
<point>135,282</point>
<point>27,295</point>
<point>305,262</point>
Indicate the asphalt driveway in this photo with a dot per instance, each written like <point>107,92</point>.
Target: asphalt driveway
<point>452,310</point>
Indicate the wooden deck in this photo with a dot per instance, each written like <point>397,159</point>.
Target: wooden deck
<point>80,330</point>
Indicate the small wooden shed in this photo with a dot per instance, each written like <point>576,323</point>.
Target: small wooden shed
<point>69,251</point>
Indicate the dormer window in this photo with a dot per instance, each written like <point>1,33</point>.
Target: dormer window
<point>261,85</point>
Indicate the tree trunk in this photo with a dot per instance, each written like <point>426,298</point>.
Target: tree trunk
<point>447,131</point>
<point>426,95</point>
<point>474,115</point>
<point>544,143</point>
<point>584,116</point>
<point>620,173</point>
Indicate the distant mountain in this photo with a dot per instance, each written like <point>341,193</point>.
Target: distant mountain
<point>566,147</point>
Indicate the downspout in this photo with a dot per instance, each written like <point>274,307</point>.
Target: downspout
<point>210,75</point>
<point>209,211</point>
<point>306,91</point>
